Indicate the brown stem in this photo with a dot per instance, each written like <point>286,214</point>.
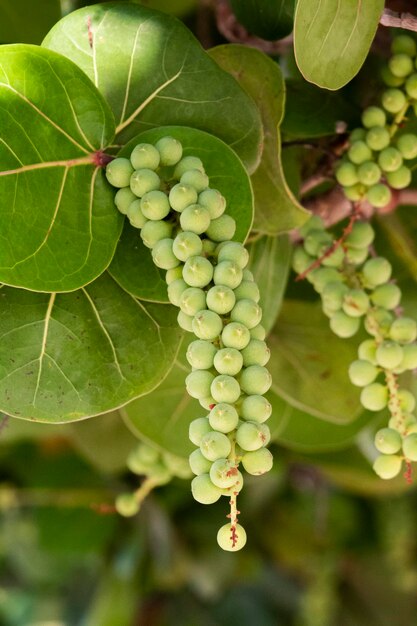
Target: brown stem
<point>398,20</point>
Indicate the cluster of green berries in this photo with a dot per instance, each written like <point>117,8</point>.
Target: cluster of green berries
<point>374,161</point>
<point>355,286</point>
<point>158,467</point>
<point>183,221</point>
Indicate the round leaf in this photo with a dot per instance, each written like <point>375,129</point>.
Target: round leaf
<point>132,265</point>
<point>58,224</point>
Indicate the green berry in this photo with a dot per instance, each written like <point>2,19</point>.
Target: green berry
<point>144,180</point>
<point>185,321</point>
<point>301,261</point>
<point>333,294</point>
<point>228,361</point>
<point>176,465</point>
<point>197,271</point>
<point>235,335</point>
<point>181,196</point>
<point>207,403</point>
<point>410,447</point>
<point>256,408</point>
<point>207,325</point>
<point>246,312</point>
<point>223,417</point>
<point>215,445</point>
<point>192,300</point>
<point>195,178</point>
<point>198,383</point>
<point>227,273</point>
<point>222,229</point>
<point>390,159</point>
<point>369,173</point>
<point>118,172</point>
<point>400,65</point>
<point>387,296</point>
<point>359,152</point>
<point>379,195</point>
<point>389,354</point>
<point>407,145</point>
<point>173,274</point>
<point>355,192</point>
<point>346,174</point>
<point>135,215</point>
<point>258,332</point>
<point>258,462</point>
<point>357,134</point>
<point>145,156</point>
<point>400,179</point>
<point>195,218</point>
<point>188,163</point>
<point>175,289</point>
<point>203,489</point>
<point>367,350</point>
<point>403,330</point>
<point>170,150</point>
<point>407,400</point>
<point>234,251</point>
<point>252,436</point>
<point>255,380</point>
<point>198,463</point>
<point>325,275</point>
<point>186,245</point>
<point>393,100</point>
<point>361,236</point>
<point>378,322</point>
<point>376,271</point>
<point>374,397</point>
<point>388,441</point>
<point>387,466</point>
<point>225,389</point>
<point>209,247</point>
<point>256,353</point>
<point>231,539</point>
<point>200,354</point>
<point>154,231</point>
<point>126,504</point>
<point>403,44</point>
<point>213,201</point>
<point>373,116</point>
<point>409,361</point>
<point>411,86</point>
<point>378,138</point>
<point>223,473</point>
<point>313,223</point>
<point>155,205</point>
<point>356,256</point>
<point>248,290</point>
<point>389,79</point>
<point>362,373</point>
<point>220,299</point>
<point>335,258</point>
<point>163,255</point>
<point>355,303</point>
<point>123,199</point>
<point>198,429</point>
<point>344,325</point>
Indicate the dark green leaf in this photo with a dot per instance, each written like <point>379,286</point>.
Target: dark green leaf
<point>25,21</point>
<point>68,356</point>
<point>153,72</point>
<point>270,259</point>
<point>332,39</point>
<point>309,364</point>
<point>269,19</point>
<point>132,265</point>
<point>58,224</point>
<point>276,209</point>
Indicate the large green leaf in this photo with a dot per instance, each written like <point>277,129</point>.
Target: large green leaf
<point>64,357</point>
<point>276,208</point>
<point>269,19</point>
<point>132,265</point>
<point>58,224</point>
<point>332,39</point>
<point>309,364</point>
<point>270,259</point>
<point>153,72</point>
<point>26,21</point>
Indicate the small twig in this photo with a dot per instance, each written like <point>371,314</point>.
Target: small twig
<point>398,20</point>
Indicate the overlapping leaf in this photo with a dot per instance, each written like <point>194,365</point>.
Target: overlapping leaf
<point>153,72</point>
<point>276,208</point>
<point>332,39</point>
<point>25,22</point>
<point>132,265</point>
<point>58,225</point>
<point>64,357</point>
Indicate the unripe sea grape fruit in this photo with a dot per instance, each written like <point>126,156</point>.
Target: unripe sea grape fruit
<point>173,274</point>
<point>225,389</point>
<point>256,353</point>
<point>220,299</point>
<point>207,325</point>
<point>379,195</point>
<point>390,159</point>
<point>377,271</point>
<point>374,397</point>
<point>357,134</point>
<point>163,255</point>
<point>407,145</point>
<point>317,241</point>
<point>170,150</point>
<point>323,276</point>
<point>389,354</point>
<point>359,152</point>
<point>403,330</point>
<point>223,417</point>
<point>387,466</point>
<point>400,65</point>
<point>387,296</point>
<point>356,256</point>
<point>258,332</point>
<point>393,100</point>
<point>361,236</point>
<point>403,44</point>
<point>255,380</point>
<point>203,489</point>
<point>400,179</point>
<point>145,156</point>
<point>198,463</point>
<point>248,290</point>
<point>246,312</point>
<point>378,138</point>
<point>301,261</point>
<point>215,445</point>
<point>388,441</point>
<point>222,229</point>
<point>175,290</point>
<point>355,303</point>
<point>234,251</point>
<point>135,215</point>
<point>409,361</point>
<point>228,361</point>
<point>185,321</point>
<point>188,163</point>
<point>227,273</point>
<point>367,350</point>
<point>195,218</point>
<point>235,335</point>
<point>213,200</point>
<point>258,462</point>
<point>236,487</point>
<point>407,400</point>
<point>223,473</point>
<point>410,447</point>
<point>123,199</point>
<point>229,540</point>
<point>197,429</point>
<point>369,173</point>
<point>362,373</point>
<point>252,436</point>
<point>197,271</point>
<point>197,179</point>
<point>119,171</point>
<point>333,294</point>
<point>334,259</point>
<point>343,325</point>
<point>155,205</point>
<point>355,192</point>
<point>192,300</point>
<point>154,231</point>
<point>256,408</point>
<point>144,180</point>
<point>181,196</point>
<point>200,354</point>
<point>126,504</point>
<point>178,466</point>
<point>411,86</point>
<point>373,116</point>
<point>198,383</point>
<point>186,245</point>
